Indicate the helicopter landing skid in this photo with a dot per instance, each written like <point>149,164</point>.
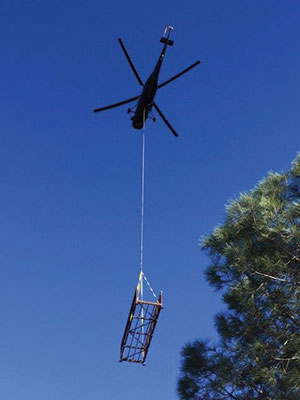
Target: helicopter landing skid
<point>132,110</point>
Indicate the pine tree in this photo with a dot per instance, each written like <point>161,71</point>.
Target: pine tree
<point>255,264</point>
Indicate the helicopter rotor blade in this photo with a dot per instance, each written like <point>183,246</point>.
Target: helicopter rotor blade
<point>165,120</point>
<point>116,104</point>
<point>180,73</point>
<point>130,63</point>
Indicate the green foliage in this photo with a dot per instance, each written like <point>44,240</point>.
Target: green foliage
<point>255,263</point>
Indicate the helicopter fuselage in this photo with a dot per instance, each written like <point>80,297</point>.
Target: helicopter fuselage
<point>145,102</point>
<point>146,98</point>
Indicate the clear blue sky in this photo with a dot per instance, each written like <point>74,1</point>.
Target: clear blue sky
<point>70,179</point>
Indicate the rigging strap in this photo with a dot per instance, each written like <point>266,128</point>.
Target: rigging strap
<point>140,284</point>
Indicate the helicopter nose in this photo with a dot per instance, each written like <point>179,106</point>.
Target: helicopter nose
<point>137,124</point>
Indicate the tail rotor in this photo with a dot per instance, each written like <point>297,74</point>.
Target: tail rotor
<point>165,39</point>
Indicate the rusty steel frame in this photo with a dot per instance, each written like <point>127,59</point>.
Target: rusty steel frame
<point>139,329</point>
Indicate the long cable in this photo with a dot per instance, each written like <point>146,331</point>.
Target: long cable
<point>142,207</point>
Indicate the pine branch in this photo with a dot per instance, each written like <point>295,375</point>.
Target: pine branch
<point>269,276</point>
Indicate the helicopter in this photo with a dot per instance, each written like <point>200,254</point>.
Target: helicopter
<point>145,101</point>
